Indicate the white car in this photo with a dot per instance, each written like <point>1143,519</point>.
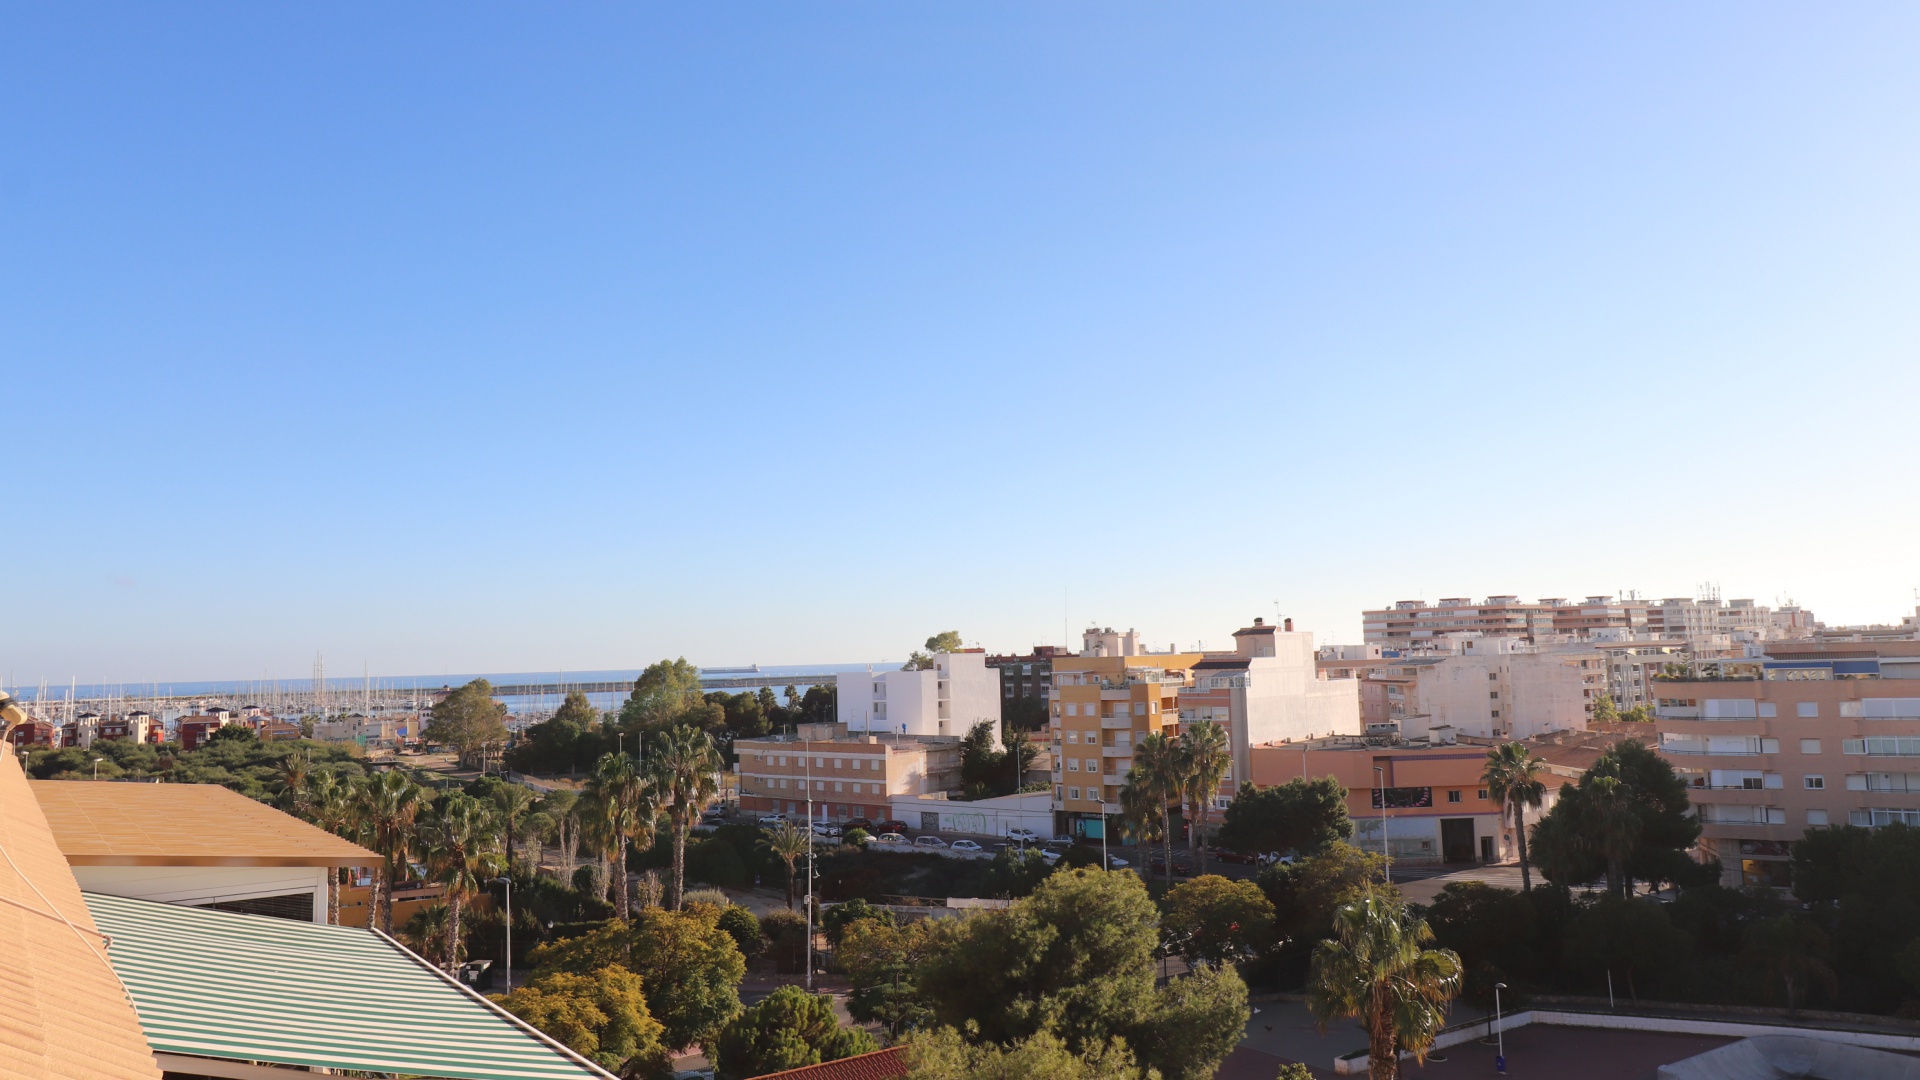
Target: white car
<point>821,828</point>
<point>773,821</point>
<point>889,838</point>
<point>964,845</point>
<point>928,841</point>
<point>1051,856</point>
<point>1115,862</point>
<point>1027,835</point>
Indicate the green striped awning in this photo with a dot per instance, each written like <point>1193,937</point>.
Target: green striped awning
<point>216,984</point>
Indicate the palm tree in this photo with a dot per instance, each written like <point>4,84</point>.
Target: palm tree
<point>1160,776</point>
<point>1513,780</point>
<point>384,809</point>
<point>512,801</point>
<point>562,811</point>
<point>1616,826</point>
<point>681,770</point>
<point>789,843</point>
<point>624,813</point>
<point>1206,755</point>
<point>294,770</point>
<point>329,804</point>
<point>459,837</point>
<point>1377,967</point>
<point>1143,811</point>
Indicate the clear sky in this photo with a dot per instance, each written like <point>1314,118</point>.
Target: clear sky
<point>466,337</point>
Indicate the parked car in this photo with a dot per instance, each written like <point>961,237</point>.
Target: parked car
<point>1115,862</point>
<point>1051,856</point>
<point>1181,867</point>
<point>859,823</point>
<point>1059,845</point>
<point>1274,858</point>
<point>773,821</point>
<point>963,845</point>
<point>889,838</point>
<point>891,825</point>
<point>1027,835</point>
<point>822,828</point>
<point>1240,858</point>
<point>929,840</point>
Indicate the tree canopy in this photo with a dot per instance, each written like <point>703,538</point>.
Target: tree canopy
<point>789,1029</point>
<point>469,720</point>
<point>601,1015</point>
<point>1216,919</point>
<point>1300,815</point>
<point>945,641</point>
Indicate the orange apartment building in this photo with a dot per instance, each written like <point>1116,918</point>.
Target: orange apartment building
<point>852,776</point>
<point>1810,735</point>
<point>1104,702</point>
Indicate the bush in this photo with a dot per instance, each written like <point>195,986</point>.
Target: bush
<point>786,934</point>
<point>744,928</point>
<point>837,918</point>
<point>717,862</point>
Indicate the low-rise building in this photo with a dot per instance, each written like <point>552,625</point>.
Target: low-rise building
<point>1104,702</point>
<point>1026,681</point>
<point>946,699</point>
<point>32,733</point>
<point>137,727</point>
<point>194,731</point>
<point>196,844</point>
<point>849,775</point>
<point>1486,687</point>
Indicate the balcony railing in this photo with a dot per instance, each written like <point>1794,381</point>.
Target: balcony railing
<point>1116,751</point>
<point>1116,723</point>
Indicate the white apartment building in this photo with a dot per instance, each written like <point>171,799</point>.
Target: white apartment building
<point>1269,689</point>
<point>959,691</point>
<point>1489,687</point>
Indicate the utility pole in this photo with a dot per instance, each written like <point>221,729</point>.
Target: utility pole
<point>1384,852</point>
<point>807,747</point>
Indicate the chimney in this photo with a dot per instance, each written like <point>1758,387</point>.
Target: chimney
<point>1287,624</point>
<point>1259,621</point>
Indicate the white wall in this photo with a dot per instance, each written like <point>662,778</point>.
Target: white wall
<point>984,817</point>
<point>911,698</point>
<point>973,692</point>
<point>193,886</point>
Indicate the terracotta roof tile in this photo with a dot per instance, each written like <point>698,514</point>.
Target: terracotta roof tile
<point>888,1064</point>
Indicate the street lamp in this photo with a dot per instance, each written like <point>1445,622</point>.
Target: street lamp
<point>1384,853</point>
<point>1499,1032</point>
<point>96,767</point>
<point>508,882</point>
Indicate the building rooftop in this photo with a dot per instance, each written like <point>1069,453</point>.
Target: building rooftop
<point>879,1065</point>
<point>108,823</point>
<point>62,1012</point>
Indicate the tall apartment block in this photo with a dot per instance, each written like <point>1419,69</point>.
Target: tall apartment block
<point>957,692</point>
<point>1809,735</point>
<point>1706,625</point>
<point>1106,700</point>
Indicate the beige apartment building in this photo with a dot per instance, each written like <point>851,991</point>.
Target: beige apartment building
<point>1810,735</point>
<point>1484,687</point>
<point>848,775</point>
<point>1411,623</point>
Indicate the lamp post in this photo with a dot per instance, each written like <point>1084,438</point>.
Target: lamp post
<point>1499,1032</point>
<point>806,746</point>
<point>96,767</point>
<point>508,882</point>
<point>1384,852</point>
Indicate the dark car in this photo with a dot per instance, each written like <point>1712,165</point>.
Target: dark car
<point>1181,867</point>
<point>1226,856</point>
<point>859,823</point>
<point>891,825</point>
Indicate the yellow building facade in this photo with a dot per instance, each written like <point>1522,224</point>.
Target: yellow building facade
<point>1102,707</point>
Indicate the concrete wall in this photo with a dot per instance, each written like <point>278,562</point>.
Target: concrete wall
<point>984,817</point>
<point>195,886</point>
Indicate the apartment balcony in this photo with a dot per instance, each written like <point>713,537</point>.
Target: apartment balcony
<point>1109,807</point>
<point>1111,694</point>
<point>1116,723</point>
<point>1116,751</point>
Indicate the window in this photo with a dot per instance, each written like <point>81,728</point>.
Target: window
<point>1073,764</point>
<point>1059,792</point>
<point>1073,793</point>
<point>1073,736</point>
<point>839,763</point>
<point>819,763</point>
<point>1767,708</point>
<point>1808,708</point>
<point>1496,714</point>
<point>1139,708</point>
<point>1493,695</point>
<point>837,786</point>
<point>1453,796</point>
<point>1816,817</point>
<point>1814,783</point>
<point>1809,746</point>
<point>1482,795</point>
<point>1492,676</point>
<point>781,760</point>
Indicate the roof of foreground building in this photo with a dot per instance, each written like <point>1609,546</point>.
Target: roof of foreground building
<point>232,987</point>
<point>108,823</point>
<point>62,1011</point>
<point>888,1064</point>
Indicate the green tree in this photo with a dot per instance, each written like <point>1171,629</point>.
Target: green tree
<point>790,843</point>
<point>602,1016</point>
<point>1300,815</point>
<point>384,811</point>
<point>1205,757</point>
<point>880,959</point>
<point>624,812</point>
<point>1512,776</point>
<point>1195,1022</point>
<point>1793,953</point>
<point>1604,710</point>
<point>1638,825</point>
<point>835,920</point>
<point>470,721</point>
<point>1217,920</point>
<point>944,1055</point>
<point>562,741</point>
<point>1377,968</point>
<point>946,641</point>
<point>1633,938</point>
<point>233,733</point>
<point>457,834</point>
<point>789,1029</point>
<point>683,768</point>
<point>692,968</point>
<point>662,693</point>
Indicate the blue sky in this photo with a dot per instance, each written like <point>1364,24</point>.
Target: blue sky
<point>507,337</point>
